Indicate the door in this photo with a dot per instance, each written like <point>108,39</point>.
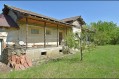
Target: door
<point>0,48</point>
<point>60,38</point>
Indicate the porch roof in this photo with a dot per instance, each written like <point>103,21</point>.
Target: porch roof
<point>25,12</point>
<point>79,18</point>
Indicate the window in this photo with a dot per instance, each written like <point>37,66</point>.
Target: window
<point>34,31</point>
<point>48,32</point>
<point>43,53</point>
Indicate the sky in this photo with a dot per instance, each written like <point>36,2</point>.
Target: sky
<point>90,11</point>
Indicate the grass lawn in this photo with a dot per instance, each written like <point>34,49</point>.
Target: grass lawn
<point>102,62</point>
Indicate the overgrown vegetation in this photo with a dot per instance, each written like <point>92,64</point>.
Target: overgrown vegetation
<point>105,33</point>
<point>102,62</point>
<point>72,41</point>
<point>78,41</point>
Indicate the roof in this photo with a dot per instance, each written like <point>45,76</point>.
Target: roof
<point>7,21</point>
<point>73,19</point>
<point>33,14</point>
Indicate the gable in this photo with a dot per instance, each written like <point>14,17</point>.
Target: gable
<point>76,23</point>
<point>12,15</point>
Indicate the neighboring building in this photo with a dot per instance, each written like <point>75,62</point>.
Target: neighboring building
<point>77,21</point>
<point>30,29</point>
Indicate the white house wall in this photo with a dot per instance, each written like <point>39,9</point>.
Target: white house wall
<point>76,23</point>
<point>3,35</point>
<point>9,36</point>
<point>12,36</point>
<point>15,35</point>
<point>76,29</point>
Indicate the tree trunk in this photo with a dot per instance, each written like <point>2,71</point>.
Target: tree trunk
<point>81,49</point>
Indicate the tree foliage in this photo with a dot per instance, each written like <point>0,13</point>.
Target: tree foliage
<point>115,36</point>
<point>105,33</point>
<point>71,41</point>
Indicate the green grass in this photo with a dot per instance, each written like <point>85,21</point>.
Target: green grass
<point>102,62</point>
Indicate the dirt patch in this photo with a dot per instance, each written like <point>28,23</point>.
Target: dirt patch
<point>4,68</point>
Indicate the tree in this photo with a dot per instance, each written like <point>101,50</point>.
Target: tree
<point>104,32</point>
<point>115,36</point>
<point>73,41</point>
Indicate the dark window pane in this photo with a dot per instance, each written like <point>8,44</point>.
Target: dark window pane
<point>34,31</point>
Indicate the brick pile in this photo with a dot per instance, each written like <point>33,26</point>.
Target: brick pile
<point>15,57</point>
<point>19,62</point>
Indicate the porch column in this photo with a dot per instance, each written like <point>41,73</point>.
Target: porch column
<point>57,35</point>
<point>44,34</point>
<point>26,32</point>
<point>18,34</point>
<point>66,34</point>
<point>66,30</point>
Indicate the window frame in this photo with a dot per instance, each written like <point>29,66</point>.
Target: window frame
<point>35,31</point>
<point>48,32</point>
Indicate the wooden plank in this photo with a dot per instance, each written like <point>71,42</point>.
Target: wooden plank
<point>26,32</point>
<point>57,35</point>
<point>66,30</point>
<point>44,34</point>
<point>44,20</point>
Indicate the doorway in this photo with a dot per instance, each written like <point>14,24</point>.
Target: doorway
<point>0,48</point>
<point>60,38</point>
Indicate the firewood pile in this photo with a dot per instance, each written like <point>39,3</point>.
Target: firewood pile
<point>15,57</point>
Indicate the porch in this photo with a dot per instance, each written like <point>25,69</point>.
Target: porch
<point>43,53</point>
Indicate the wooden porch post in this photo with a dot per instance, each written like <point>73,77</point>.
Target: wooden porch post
<point>26,32</point>
<point>57,35</point>
<point>44,34</point>
<point>66,34</point>
<point>66,30</point>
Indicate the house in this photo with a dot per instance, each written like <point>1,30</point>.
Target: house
<point>33,30</point>
<point>77,21</point>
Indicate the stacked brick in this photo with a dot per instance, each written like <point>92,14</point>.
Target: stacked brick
<point>16,58</point>
<point>19,62</point>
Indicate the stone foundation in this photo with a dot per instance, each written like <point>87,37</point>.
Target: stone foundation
<point>43,53</point>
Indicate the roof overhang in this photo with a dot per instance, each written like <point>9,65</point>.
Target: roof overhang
<point>7,22</point>
<point>72,19</point>
<point>26,13</point>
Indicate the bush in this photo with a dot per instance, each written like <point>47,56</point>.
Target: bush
<point>72,41</point>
